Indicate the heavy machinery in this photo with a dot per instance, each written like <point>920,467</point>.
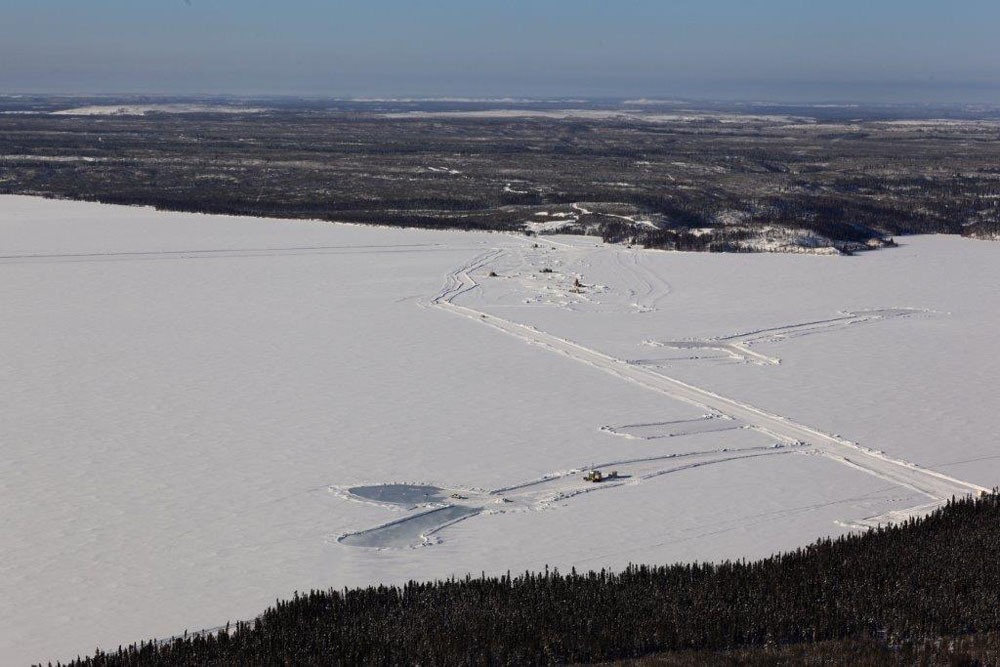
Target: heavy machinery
<point>597,476</point>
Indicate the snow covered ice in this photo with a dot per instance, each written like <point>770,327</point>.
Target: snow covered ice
<point>199,412</point>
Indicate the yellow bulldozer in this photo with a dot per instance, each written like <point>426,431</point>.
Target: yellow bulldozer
<point>597,476</point>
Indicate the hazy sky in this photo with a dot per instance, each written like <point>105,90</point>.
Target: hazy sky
<point>873,50</point>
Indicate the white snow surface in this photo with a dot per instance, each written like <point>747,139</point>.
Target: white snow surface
<point>598,114</point>
<point>196,408</point>
<point>143,109</point>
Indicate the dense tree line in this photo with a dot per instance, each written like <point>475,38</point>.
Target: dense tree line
<point>980,649</point>
<point>714,239</point>
<point>907,583</point>
<point>986,230</point>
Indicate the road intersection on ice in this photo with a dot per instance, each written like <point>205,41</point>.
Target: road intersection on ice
<point>431,509</point>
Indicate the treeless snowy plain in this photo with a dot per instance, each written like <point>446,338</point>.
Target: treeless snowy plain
<point>200,412</point>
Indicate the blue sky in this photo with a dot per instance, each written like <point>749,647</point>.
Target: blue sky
<point>879,50</point>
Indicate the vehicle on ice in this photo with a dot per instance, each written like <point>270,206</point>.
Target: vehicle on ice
<point>598,476</point>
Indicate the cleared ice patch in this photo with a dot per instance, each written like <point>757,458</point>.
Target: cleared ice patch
<point>411,531</point>
<point>406,495</point>
<point>431,508</point>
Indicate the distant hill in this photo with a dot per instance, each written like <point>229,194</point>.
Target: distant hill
<point>666,175</point>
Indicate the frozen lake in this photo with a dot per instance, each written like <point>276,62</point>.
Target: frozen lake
<point>200,413</point>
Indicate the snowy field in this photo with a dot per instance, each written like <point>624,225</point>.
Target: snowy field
<point>201,414</point>
<point>143,109</point>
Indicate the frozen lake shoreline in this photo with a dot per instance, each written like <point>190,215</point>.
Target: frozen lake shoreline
<point>185,391</point>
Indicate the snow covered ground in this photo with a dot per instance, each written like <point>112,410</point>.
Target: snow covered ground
<point>602,114</point>
<point>143,109</point>
<point>199,412</point>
